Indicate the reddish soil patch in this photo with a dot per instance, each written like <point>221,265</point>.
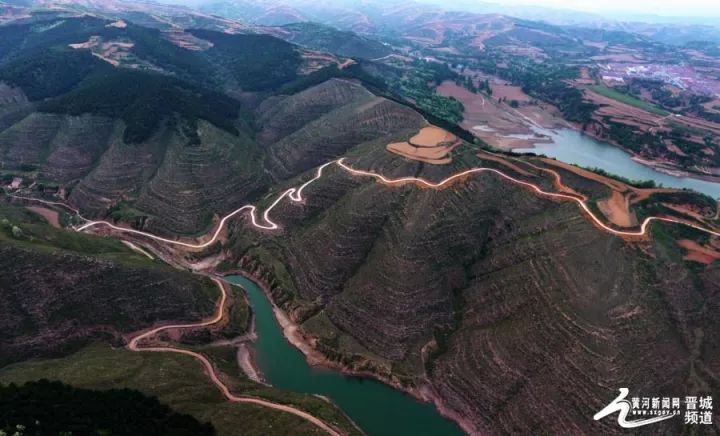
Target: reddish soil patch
<point>610,183</point>
<point>497,123</point>
<point>51,216</point>
<point>509,92</point>
<point>698,253</point>
<point>90,43</point>
<point>431,144</point>
<point>188,41</point>
<point>432,137</point>
<point>433,155</point>
<point>120,24</point>
<point>617,210</point>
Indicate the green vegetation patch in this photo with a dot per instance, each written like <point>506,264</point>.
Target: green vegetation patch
<point>45,407</point>
<point>256,62</point>
<point>49,72</point>
<point>627,99</point>
<point>180,382</point>
<point>418,84</point>
<point>143,100</point>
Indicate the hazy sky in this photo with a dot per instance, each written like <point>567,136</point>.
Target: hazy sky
<point>676,8</point>
<point>649,7</point>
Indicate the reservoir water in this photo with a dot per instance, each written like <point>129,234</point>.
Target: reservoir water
<point>377,408</point>
<point>573,147</point>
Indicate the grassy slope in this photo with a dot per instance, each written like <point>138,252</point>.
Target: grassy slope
<point>627,99</point>
<point>176,380</point>
<point>39,236</point>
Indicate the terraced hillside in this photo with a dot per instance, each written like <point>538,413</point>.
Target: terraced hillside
<point>318,124</point>
<point>67,295</point>
<point>512,311</point>
<point>171,184</point>
<point>516,310</point>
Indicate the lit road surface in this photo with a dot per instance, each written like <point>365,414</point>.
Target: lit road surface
<point>295,195</point>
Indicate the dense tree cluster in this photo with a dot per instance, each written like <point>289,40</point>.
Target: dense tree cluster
<point>53,408</point>
<point>143,100</point>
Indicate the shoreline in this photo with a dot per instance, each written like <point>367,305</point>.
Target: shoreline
<point>659,166</point>
<point>295,336</point>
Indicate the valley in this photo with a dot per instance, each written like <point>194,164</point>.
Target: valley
<point>303,222</point>
<point>295,195</point>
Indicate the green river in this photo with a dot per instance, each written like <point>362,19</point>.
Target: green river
<point>377,408</point>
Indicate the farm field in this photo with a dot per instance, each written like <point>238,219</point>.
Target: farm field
<point>627,99</point>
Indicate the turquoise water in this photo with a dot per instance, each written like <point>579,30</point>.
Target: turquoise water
<point>377,408</point>
<point>573,147</point>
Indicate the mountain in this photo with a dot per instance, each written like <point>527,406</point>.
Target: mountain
<point>329,39</point>
<point>483,291</point>
<point>515,292</point>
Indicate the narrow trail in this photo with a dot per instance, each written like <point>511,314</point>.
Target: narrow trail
<point>134,345</point>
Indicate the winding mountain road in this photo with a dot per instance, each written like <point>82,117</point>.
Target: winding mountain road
<point>295,195</point>
<point>134,345</point>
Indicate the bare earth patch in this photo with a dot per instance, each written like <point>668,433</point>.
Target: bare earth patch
<point>617,210</point>
<point>187,40</point>
<point>509,92</point>
<point>50,215</point>
<point>112,52</point>
<point>431,144</point>
<point>697,252</point>
<point>432,137</point>
<point>497,123</point>
<point>90,43</point>
<point>120,24</point>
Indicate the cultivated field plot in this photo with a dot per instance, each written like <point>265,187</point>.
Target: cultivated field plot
<point>431,144</point>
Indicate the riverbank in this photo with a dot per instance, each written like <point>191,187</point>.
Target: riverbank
<point>577,148</point>
<point>543,137</point>
<point>664,167</point>
<point>306,344</point>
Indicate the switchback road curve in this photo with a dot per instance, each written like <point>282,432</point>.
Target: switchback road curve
<point>135,345</point>
<point>295,195</point>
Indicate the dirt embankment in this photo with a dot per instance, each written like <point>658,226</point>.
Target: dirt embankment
<point>616,209</point>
